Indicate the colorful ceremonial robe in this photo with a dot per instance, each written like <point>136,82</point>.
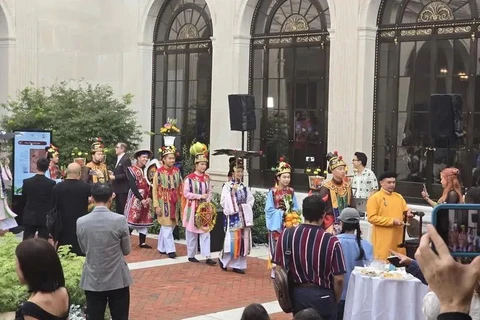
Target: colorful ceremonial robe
<point>167,195</point>
<point>95,172</point>
<point>138,216</point>
<point>338,196</point>
<point>53,172</point>
<point>274,214</point>
<point>194,187</point>
<point>238,239</point>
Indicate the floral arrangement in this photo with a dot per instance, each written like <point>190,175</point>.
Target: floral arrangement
<point>77,153</point>
<point>291,217</point>
<point>170,127</point>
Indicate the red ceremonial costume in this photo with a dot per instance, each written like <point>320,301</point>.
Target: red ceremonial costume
<point>138,216</point>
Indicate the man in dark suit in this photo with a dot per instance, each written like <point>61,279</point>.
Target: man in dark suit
<point>37,193</point>
<point>119,177</point>
<point>71,198</point>
<point>103,237</point>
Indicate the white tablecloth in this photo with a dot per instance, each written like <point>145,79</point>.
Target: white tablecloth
<point>383,299</point>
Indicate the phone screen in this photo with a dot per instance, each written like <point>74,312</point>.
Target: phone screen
<point>395,261</point>
<point>458,228</point>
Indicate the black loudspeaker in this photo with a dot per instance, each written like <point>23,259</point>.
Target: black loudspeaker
<point>242,112</point>
<point>442,117</point>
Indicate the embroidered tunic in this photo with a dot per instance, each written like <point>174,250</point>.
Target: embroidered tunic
<point>338,197</point>
<point>194,187</point>
<point>138,215</point>
<point>238,238</point>
<point>94,173</point>
<point>167,195</point>
<point>273,214</point>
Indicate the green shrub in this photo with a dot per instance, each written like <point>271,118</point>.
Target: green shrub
<point>259,230</point>
<point>12,293</point>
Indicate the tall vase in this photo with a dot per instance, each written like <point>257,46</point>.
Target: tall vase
<point>168,141</point>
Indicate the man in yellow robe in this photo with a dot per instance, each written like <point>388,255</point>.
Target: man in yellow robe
<point>385,210</point>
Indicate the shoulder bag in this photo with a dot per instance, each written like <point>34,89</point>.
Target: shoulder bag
<point>283,282</point>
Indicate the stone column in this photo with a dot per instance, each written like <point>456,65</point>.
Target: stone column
<point>144,100</point>
<point>365,90</point>
<point>222,85</point>
<point>7,74</point>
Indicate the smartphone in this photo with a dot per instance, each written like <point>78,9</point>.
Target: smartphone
<point>457,225</point>
<point>395,261</point>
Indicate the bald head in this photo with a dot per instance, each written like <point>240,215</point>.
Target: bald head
<point>74,171</point>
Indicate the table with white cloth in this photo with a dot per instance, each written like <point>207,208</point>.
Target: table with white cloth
<point>375,298</point>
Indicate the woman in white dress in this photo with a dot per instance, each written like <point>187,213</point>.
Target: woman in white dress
<point>237,202</point>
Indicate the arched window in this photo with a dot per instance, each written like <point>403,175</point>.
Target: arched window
<point>426,47</point>
<point>182,71</point>
<point>289,79</point>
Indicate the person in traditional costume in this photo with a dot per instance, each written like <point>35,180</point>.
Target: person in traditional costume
<point>336,192</point>
<point>278,198</point>
<point>199,214</point>
<point>53,171</point>
<point>7,216</point>
<point>167,195</point>
<point>137,209</point>
<point>237,202</point>
<point>96,171</point>
<point>386,212</point>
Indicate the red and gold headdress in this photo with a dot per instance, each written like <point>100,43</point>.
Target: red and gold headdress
<point>335,161</point>
<point>282,167</point>
<point>165,150</point>
<point>97,145</point>
<point>52,151</point>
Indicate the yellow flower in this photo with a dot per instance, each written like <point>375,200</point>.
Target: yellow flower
<point>79,153</point>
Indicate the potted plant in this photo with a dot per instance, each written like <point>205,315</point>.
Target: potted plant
<point>169,130</point>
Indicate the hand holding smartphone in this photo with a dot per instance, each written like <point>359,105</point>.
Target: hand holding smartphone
<point>395,261</point>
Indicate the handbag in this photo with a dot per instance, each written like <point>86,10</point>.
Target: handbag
<point>283,281</point>
<point>54,221</point>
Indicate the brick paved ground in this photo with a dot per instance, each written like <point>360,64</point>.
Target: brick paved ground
<point>188,289</point>
<point>138,254</point>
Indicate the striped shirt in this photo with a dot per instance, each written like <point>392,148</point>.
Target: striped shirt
<point>317,255</point>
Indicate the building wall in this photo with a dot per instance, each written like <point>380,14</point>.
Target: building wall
<point>110,42</point>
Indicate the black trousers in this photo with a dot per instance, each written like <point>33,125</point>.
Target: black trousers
<point>29,232</point>
<point>120,202</point>
<point>320,299</point>
<point>118,303</point>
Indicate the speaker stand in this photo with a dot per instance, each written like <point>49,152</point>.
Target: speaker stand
<point>243,140</point>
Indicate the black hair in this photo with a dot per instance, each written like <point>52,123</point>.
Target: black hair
<point>42,164</point>
<point>386,175</point>
<point>48,154</point>
<point>101,192</point>
<point>40,265</point>
<point>307,314</point>
<point>141,153</point>
<point>476,177</point>
<point>473,195</point>
<point>255,311</point>
<point>313,208</point>
<point>362,157</point>
<point>349,226</point>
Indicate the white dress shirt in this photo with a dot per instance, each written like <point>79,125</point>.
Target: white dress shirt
<point>119,158</point>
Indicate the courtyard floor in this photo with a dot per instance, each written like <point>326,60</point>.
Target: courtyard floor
<point>173,289</point>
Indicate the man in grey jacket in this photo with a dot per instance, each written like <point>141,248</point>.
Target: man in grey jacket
<point>104,238</point>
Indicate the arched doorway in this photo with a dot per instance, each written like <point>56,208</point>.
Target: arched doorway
<point>289,79</point>
<point>182,71</point>
<point>425,47</point>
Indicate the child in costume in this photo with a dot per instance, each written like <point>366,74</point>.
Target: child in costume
<point>237,202</point>
<point>336,192</point>
<point>199,214</point>
<point>53,171</point>
<point>137,208</point>
<point>167,196</point>
<point>276,204</point>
